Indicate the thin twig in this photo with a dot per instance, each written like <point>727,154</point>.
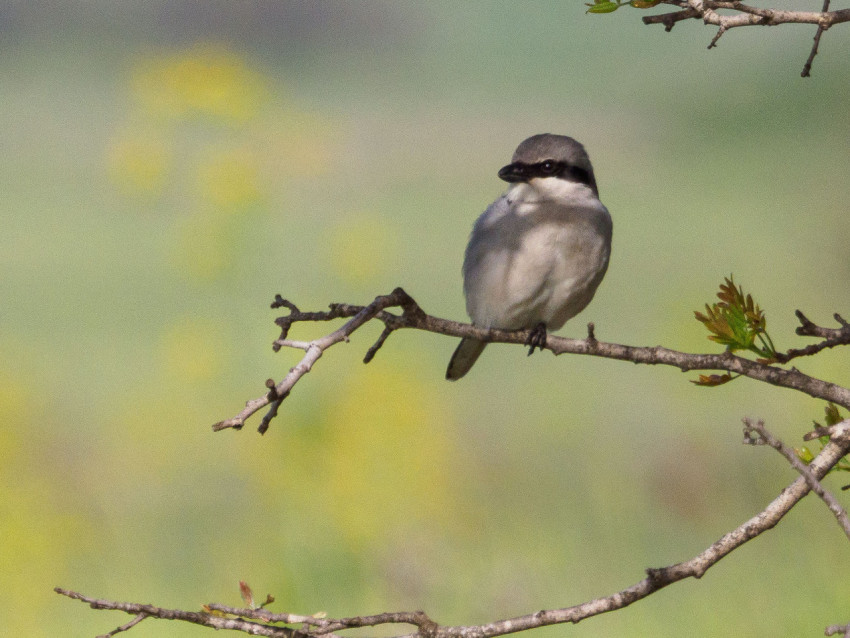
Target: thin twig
<point>831,502</point>
<point>832,337</point>
<point>807,67</point>
<point>128,625</point>
<point>720,31</point>
<point>669,20</point>
<point>373,350</point>
<point>808,328</point>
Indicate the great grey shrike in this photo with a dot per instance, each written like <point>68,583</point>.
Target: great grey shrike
<point>538,253</point>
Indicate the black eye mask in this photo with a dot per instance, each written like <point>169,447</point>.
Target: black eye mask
<point>521,172</point>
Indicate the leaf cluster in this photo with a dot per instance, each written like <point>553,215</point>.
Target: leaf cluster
<point>738,323</point>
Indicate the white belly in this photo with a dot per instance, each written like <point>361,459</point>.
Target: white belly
<point>524,269</point>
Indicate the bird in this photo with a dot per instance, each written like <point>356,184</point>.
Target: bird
<point>538,253</point>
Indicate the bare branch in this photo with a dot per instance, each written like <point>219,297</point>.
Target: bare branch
<point>831,337</point>
<point>807,67</point>
<point>707,11</point>
<point>669,20</point>
<point>315,349</point>
<point>128,625</point>
<point>194,617</point>
<point>656,579</point>
<point>766,438</point>
<point>413,317</point>
<point>808,328</point>
<point>720,31</point>
<point>834,630</point>
<point>324,626</point>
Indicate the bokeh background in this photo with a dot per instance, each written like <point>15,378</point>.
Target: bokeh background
<point>168,167</point>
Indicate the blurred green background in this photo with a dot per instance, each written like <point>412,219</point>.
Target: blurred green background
<point>169,166</point>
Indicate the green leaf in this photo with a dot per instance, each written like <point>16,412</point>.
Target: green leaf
<point>603,7</point>
<point>804,454</point>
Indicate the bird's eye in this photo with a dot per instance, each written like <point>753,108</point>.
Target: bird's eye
<point>548,167</point>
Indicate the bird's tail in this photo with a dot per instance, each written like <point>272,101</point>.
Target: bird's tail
<point>464,357</point>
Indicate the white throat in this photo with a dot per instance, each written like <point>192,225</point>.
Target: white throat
<point>550,189</point>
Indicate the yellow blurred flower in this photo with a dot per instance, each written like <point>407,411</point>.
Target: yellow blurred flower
<point>205,80</point>
<point>138,162</point>
<point>229,179</point>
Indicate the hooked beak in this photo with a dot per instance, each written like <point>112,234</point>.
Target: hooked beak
<point>513,173</point>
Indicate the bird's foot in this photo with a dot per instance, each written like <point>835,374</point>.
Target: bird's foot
<point>536,338</point>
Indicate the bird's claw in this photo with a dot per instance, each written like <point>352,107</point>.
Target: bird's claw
<point>536,338</point>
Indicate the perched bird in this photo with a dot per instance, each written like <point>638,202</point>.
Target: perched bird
<point>538,253</point>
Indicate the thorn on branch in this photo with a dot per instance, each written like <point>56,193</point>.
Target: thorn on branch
<point>272,413</point>
<point>372,351</point>
<point>280,302</point>
<point>806,325</point>
<point>591,332</point>
<point>272,395</point>
<point>720,31</point>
